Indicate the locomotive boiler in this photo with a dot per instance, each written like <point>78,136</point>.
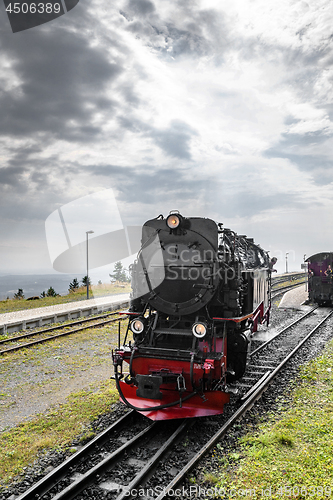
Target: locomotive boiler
<point>199,291</point>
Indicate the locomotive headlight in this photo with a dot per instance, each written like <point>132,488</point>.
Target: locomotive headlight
<point>199,330</point>
<point>173,221</point>
<point>137,326</point>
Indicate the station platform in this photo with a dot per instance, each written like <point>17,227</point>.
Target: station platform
<point>40,316</point>
<point>294,298</point>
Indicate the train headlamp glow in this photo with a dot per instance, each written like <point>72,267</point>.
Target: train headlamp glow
<point>199,330</point>
<point>137,326</point>
<point>173,221</point>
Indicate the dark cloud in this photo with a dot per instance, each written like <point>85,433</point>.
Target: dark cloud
<point>129,95</point>
<point>295,147</point>
<point>180,188</point>
<point>175,140</point>
<point>21,154</point>
<point>10,175</point>
<point>19,162</point>
<point>197,32</point>
<point>245,203</point>
<point>291,142</point>
<point>151,183</point>
<point>140,7</point>
<point>62,82</point>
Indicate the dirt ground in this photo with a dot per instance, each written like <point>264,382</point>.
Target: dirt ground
<point>33,380</point>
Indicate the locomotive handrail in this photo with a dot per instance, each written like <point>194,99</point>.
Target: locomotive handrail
<point>131,313</point>
<point>237,319</point>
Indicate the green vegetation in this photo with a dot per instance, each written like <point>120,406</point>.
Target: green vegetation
<point>55,429</point>
<point>119,274</point>
<point>50,293</point>
<point>74,285</point>
<point>99,290</point>
<point>291,456</point>
<point>86,280</point>
<point>57,375</point>
<point>19,294</point>
<point>288,282</point>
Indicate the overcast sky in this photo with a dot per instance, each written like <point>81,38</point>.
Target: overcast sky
<point>218,109</point>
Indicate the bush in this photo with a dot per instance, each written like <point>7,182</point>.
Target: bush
<point>19,294</point>
<point>51,292</point>
<point>74,285</point>
<point>85,279</point>
<point>119,274</point>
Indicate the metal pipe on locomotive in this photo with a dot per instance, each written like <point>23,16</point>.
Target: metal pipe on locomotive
<point>199,291</point>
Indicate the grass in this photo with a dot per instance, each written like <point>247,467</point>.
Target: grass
<point>291,457</point>
<point>43,373</point>
<point>288,282</point>
<point>11,305</point>
<point>55,429</point>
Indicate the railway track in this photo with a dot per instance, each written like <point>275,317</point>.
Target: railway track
<point>99,457</point>
<point>255,392</point>
<point>279,291</point>
<point>288,277</point>
<point>135,453</point>
<point>45,335</point>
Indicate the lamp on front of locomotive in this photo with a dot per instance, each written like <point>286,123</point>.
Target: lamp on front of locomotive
<point>199,330</point>
<point>173,221</point>
<point>137,326</point>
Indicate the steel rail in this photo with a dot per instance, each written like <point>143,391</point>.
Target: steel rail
<point>285,289</point>
<point>288,277</point>
<point>262,346</point>
<point>51,479</point>
<point>240,412</point>
<point>59,327</point>
<point>276,283</point>
<point>152,463</point>
<point>91,475</point>
<point>52,337</point>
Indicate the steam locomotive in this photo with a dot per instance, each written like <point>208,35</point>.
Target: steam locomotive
<point>199,291</point>
<point>320,284</point>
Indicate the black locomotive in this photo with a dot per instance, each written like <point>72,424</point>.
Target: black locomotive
<point>199,291</point>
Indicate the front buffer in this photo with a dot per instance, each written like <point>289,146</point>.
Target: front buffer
<point>164,389</point>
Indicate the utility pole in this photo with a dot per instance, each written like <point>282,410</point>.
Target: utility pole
<point>87,233</point>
